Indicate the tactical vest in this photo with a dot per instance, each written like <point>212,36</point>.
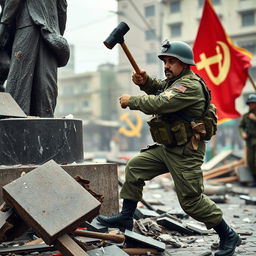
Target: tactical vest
<point>178,129</point>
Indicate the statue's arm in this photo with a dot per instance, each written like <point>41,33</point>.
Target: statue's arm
<point>9,11</point>
<point>62,15</point>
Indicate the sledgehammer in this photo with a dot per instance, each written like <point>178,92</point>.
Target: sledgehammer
<point>117,36</point>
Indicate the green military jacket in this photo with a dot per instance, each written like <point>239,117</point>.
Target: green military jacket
<point>185,96</point>
<point>249,126</point>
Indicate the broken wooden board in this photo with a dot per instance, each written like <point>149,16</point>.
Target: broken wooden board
<point>50,201</point>
<point>9,107</point>
<point>11,225</point>
<point>224,169</point>
<point>143,241</point>
<point>68,247</point>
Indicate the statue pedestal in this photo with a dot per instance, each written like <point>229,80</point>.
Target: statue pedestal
<point>38,140</point>
<point>103,180</point>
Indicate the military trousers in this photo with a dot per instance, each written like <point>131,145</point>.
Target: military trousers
<point>251,156</point>
<point>184,164</point>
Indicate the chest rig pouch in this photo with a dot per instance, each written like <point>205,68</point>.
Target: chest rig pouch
<point>164,131</point>
<point>178,129</point>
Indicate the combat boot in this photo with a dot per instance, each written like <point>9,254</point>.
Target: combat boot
<point>122,220</point>
<point>229,239</point>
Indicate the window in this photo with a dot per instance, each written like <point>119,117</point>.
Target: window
<point>215,2</point>
<point>85,104</point>
<point>175,6</point>
<point>150,58</point>
<point>67,90</point>
<point>149,11</point>
<point>150,34</point>
<point>249,46</point>
<point>175,30</point>
<point>248,18</point>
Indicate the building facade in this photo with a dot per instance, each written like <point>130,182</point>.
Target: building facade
<point>152,21</point>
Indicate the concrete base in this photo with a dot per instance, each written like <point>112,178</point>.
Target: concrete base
<point>103,180</point>
<point>38,140</point>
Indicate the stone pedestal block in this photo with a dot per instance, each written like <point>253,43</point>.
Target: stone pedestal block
<point>38,140</point>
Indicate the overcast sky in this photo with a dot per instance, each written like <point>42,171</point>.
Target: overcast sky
<point>88,25</point>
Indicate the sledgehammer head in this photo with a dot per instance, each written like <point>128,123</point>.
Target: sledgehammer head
<point>117,35</point>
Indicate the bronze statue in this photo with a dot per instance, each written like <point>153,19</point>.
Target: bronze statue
<point>38,49</point>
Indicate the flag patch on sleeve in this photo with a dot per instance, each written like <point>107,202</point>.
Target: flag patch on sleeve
<point>180,87</point>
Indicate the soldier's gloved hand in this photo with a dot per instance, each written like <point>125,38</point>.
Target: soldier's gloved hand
<point>124,100</point>
<point>140,79</point>
<point>3,35</point>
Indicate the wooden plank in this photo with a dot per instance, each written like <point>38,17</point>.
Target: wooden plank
<point>50,201</point>
<point>68,247</point>
<point>225,179</point>
<point>222,169</point>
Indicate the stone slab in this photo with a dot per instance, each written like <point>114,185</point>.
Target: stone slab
<point>50,201</point>
<point>102,177</point>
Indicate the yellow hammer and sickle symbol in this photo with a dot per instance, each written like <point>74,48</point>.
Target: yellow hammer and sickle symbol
<point>223,62</point>
<point>135,129</point>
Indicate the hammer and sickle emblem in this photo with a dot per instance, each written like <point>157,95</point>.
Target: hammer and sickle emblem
<point>223,61</point>
<point>134,129</point>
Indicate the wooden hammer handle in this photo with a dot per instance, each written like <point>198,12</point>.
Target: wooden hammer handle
<point>131,59</point>
<point>115,238</point>
<point>140,251</point>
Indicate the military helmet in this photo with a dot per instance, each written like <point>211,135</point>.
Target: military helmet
<point>179,50</point>
<point>251,99</point>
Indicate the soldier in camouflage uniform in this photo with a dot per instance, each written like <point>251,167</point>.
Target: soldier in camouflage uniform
<point>183,119</point>
<point>248,133</point>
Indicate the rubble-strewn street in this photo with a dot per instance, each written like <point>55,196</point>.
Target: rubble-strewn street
<point>241,217</point>
<point>236,201</point>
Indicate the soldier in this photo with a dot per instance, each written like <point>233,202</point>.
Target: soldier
<point>247,129</point>
<point>183,119</point>
<point>38,48</point>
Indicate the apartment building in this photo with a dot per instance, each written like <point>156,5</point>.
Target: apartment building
<point>152,21</point>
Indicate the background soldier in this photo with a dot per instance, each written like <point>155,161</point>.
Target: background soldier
<point>183,119</point>
<point>37,50</point>
<point>247,129</point>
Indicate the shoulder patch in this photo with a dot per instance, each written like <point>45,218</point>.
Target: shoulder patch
<point>180,87</point>
<point>168,94</point>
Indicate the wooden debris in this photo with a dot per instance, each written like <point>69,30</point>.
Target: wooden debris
<point>63,204</point>
<point>224,169</point>
<point>68,246</point>
<point>62,207</point>
<point>103,236</point>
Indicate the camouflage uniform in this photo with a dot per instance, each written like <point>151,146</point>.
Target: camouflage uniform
<point>180,99</point>
<point>248,126</point>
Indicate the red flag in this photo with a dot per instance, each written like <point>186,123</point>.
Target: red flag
<point>222,65</point>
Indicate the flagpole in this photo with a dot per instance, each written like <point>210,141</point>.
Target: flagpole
<point>251,80</point>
